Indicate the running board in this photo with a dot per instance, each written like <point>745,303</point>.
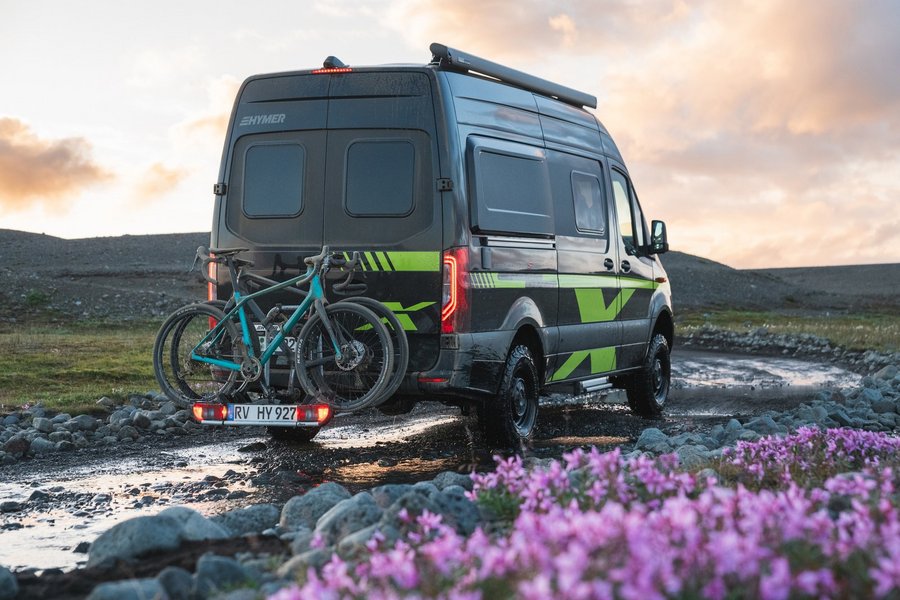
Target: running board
<point>599,384</point>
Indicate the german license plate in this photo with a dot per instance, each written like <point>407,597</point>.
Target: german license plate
<point>261,414</point>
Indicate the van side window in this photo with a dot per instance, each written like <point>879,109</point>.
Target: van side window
<point>590,207</point>
<point>380,178</point>
<point>632,226</point>
<point>511,188</point>
<point>273,180</point>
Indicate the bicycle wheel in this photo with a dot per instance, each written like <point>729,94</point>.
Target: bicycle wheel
<point>183,379</point>
<point>398,339</point>
<point>358,379</point>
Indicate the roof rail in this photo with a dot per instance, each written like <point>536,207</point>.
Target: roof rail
<point>469,62</point>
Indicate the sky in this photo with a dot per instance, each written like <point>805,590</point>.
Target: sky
<point>766,133</point>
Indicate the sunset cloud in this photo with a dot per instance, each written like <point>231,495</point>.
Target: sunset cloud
<point>38,171</point>
<point>159,180</point>
<point>762,130</point>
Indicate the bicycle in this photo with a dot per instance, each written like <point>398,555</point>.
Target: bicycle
<point>343,354</point>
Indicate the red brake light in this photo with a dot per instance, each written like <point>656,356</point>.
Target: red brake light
<point>454,297</point>
<point>332,70</point>
<point>211,292</point>
<point>204,411</point>
<point>314,413</point>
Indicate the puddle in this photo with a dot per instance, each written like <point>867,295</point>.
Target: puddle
<point>87,501</point>
<point>693,369</point>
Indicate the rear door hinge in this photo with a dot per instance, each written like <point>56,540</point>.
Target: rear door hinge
<point>445,184</point>
<point>219,189</point>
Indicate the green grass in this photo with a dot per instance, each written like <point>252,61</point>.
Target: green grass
<point>858,331</point>
<point>69,367</point>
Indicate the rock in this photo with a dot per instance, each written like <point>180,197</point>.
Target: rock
<point>129,589</point>
<point>457,511</point>
<point>194,526</point>
<point>38,496</point>
<point>60,436</point>
<point>17,447</point>
<point>654,440</point>
<point>176,582</point>
<point>871,395</point>
<point>65,446</point>
<point>414,502</point>
<point>10,506</point>
<point>302,539</point>
<point>448,478</point>
<point>41,445</point>
<point>425,487</point>
<point>161,532</point>
<point>140,420</point>
<point>691,456</point>
<point>306,510</point>
<point>299,565</point>
<point>841,417</point>
<point>10,420</point>
<point>217,573</point>
<point>9,587</point>
<point>253,519</point>
<point>82,548</point>
<point>765,426</point>
<point>387,494</point>
<point>168,408</point>
<point>106,402</point>
<point>887,373</point>
<point>354,545</point>
<point>348,516</point>
<point>135,537</point>
<point>128,432</point>
<point>42,424</point>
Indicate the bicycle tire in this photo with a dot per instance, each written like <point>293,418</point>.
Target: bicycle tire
<point>365,371</point>
<point>182,379</point>
<point>398,339</point>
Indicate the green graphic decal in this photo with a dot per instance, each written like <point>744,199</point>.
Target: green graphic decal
<point>593,308</point>
<point>399,261</point>
<point>488,279</point>
<point>402,314</point>
<point>602,360</point>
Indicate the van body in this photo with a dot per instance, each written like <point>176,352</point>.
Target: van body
<point>492,213</point>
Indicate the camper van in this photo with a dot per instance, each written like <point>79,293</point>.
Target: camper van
<point>493,213</point>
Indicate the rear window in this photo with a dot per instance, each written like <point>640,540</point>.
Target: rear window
<point>511,189</point>
<point>273,180</point>
<point>380,178</point>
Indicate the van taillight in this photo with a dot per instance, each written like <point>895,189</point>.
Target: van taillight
<point>454,303</point>
<point>332,70</point>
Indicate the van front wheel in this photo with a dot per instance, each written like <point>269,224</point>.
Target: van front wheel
<point>509,419</point>
<point>648,389</point>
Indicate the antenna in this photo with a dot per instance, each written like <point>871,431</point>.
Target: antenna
<point>468,62</point>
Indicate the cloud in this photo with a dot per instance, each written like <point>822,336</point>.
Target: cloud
<point>212,123</point>
<point>37,171</point>
<point>765,131</point>
<point>159,180</point>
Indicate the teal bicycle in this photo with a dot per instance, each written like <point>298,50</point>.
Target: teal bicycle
<point>342,354</point>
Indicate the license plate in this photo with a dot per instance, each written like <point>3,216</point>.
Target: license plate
<point>261,414</point>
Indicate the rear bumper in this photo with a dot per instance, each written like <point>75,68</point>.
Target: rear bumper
<point>469,365</point>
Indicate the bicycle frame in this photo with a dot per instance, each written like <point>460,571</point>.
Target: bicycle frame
<point>314,297</point>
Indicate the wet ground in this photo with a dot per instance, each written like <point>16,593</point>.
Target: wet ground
<point>69,499</point>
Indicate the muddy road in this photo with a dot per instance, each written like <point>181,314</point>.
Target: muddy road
<point>65,501</point>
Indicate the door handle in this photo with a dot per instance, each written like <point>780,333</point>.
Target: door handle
<point>626,266</point>
<point>609,264</point>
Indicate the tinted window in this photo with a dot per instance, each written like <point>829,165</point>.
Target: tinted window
<point>273,180</point>
<point>380,178</point>
<point>623,210</point>
<point>590,208</point>
<point>512,193</point>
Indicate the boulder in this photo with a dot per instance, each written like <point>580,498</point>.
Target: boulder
<point>129,589</point>
<point>306,510</point>
<point>253,519</point>
<point>653,440</point>
<point>348,516</point>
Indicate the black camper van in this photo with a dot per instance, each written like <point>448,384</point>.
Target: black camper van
<point>493,213</point>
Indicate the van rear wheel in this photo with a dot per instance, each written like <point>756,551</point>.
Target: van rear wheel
<point>648,389</point>
<point>509,419</point>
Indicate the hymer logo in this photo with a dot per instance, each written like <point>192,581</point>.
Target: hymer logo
<point>273,119</point>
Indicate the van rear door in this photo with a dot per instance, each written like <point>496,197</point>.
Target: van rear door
<point>347,160</point>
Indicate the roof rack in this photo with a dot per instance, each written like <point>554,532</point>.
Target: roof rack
<point>469,62</point>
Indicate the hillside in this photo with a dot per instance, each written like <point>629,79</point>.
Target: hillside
<point>148,275</point>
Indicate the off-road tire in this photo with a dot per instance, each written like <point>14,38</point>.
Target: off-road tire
<point>509,419</point>
<point>648,389</point>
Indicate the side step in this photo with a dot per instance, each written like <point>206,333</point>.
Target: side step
<point>589,386</point>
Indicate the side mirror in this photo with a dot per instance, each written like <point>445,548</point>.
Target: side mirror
<point>659,242</point>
